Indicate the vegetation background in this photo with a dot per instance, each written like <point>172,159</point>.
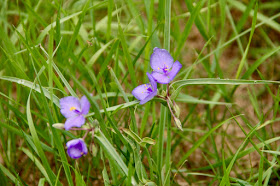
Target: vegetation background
<point>52,49</point>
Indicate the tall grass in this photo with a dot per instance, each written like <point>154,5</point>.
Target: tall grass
<point>227,92</point>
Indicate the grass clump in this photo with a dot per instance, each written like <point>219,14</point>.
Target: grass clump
<point>215,123</point>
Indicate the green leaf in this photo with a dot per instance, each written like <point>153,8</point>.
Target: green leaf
<point>37,163</point>
<point>142,142</point>
<point>212,81</point>
<point>111,152</point>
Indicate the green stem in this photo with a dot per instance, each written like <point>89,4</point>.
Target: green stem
<point>163,111</point>
<point>166,116</point>
<point>150,163</point>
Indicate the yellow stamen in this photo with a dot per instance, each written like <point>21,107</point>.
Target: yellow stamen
<point>72,108</point>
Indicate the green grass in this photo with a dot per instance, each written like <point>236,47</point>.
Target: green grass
<point>227,92</point>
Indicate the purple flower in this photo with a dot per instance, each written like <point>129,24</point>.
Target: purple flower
<point>164,70</point>
<point>74,110</point>
<point>146,92</point>
<point>76,148</point>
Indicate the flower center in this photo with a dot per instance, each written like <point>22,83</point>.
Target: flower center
<point>72,108</point>
<point>165,68</point>
<point>149,88</point>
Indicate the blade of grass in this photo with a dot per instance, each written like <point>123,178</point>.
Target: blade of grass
<point>9,174</point>
<point>261,17</point>
<point>202,139</point>
<point>242,62</point>
<point>53,25</point>
<point>93,59</point>
<point>37,143</point>
<point>235,157</point>
<point>37,163</point>
<point>260,178</point>
<point>165,118</point>
<point>136,15</point>
<point>198,21</point>
<point>127,55</point>
<point>111,152</point>
<point>57,139</point>
<point>258,62</point>
<point>212,81</point>
<point>30,85</point>
<point>188,27</point>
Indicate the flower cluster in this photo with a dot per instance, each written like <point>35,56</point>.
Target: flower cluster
<point>164,71</point>
<point>74,110</point>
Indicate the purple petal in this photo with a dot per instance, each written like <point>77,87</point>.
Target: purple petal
<point>161,78</point>
<point>141,92</point>
<point>152,81</point>
<point>72,143</point>
<point>175,69</point>
<point>76,148</point>
<point>85,105</point>
<point>69,106</point>
<point>161,59</point>
<point>76,121</point>
<point>148,98</point>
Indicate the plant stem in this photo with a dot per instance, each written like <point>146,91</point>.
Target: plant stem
<point>166,115</point>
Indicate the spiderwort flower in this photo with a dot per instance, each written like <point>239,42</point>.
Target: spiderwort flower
<point>76,148</point>
<point>146,92</point>
<point>164,70</point>
<point>74,110</point>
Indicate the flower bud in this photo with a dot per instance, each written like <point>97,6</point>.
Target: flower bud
<point>177,110</point>
<point>163,93</point>
<point>94,150</point>
<point>178,123</point>
<point>58,126</point>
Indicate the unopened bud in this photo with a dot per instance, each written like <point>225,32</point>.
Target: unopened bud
<point>94,150</point>
<point>178,123</point>
<point>177,110</point>
<point>163,93</point>
<point>58,126</point>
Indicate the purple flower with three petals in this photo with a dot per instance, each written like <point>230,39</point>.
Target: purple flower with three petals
<point>146,92</point>
<point>76,148</point>
<point>163,65</point>
<point>74,110</point>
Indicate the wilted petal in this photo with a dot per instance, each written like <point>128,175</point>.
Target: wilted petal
<point>174,71</point>
<point>69,106</point>
<point>76,121</point>
<point>76,148</point>
<point>161,59</point>
<point>161,78</point>
<point>85,105</point>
